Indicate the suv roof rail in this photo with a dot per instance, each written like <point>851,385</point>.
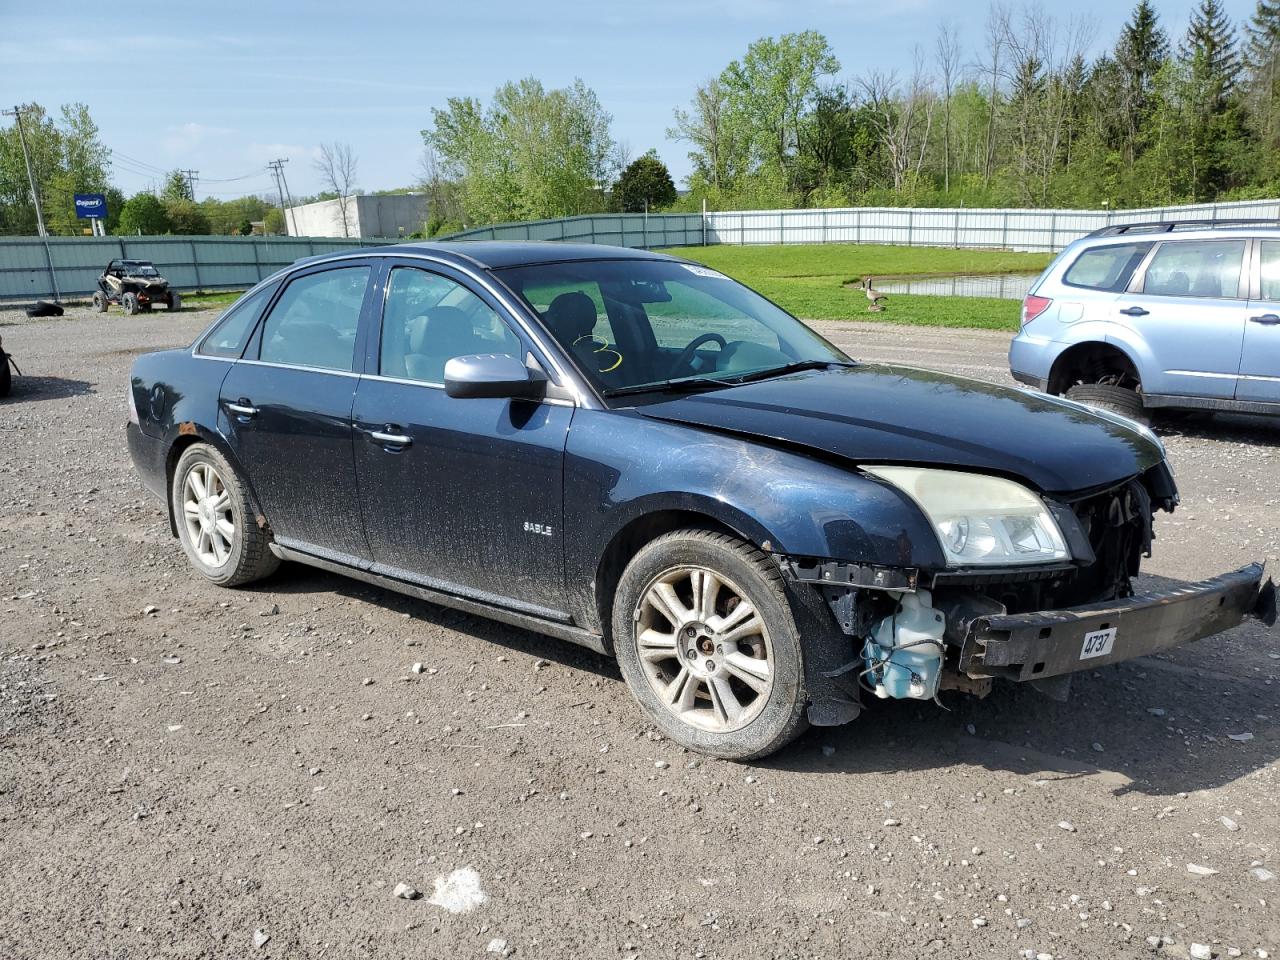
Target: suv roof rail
<point>1169,226</point>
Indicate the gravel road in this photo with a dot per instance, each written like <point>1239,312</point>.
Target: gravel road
<point>193,772</point>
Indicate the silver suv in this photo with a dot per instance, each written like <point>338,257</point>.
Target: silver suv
<point>1145,315</point>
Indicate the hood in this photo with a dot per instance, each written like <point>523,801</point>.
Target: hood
<point>887,414</point>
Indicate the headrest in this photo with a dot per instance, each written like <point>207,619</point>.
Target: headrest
<point>571,316</point>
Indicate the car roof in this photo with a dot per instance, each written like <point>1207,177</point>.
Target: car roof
<point>498,254</point>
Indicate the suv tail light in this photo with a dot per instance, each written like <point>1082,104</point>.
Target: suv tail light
<point>1033,306</point>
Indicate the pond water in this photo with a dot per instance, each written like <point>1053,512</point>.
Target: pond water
<point>1011,286</point>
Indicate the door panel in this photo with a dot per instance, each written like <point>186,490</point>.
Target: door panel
<point>1190,313</point>
<point>286,411</point>
<point>474,501</point>
<point>1260,360</point>
<point>297,452</point>
<point>463,495</point>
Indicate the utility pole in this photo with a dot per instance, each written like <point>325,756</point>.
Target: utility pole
<point>35,194</point>
<point>275,173</point>
<point>278,168</point>
<point>191,176</point>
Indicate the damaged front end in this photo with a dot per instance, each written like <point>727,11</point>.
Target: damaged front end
<point>912,633</point>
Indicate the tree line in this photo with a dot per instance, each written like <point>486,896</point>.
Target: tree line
<point>1020,115</point>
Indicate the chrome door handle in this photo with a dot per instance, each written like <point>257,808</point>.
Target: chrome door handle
<point>390,439</point>
<point>242,410</point>
<point>1267,318</point>
<point>1135,312</point>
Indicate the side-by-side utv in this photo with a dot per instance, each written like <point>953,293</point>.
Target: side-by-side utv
<point>135,285</point>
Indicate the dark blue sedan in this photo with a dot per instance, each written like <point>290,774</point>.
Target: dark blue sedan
<point>637,454</point>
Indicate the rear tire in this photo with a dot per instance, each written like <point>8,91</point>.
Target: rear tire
<point>712,678</point>
<point>6,375</point>
<point>130,303</point>
<point>175,302</point>
<point>1106,396</point>
<point>216,522</point>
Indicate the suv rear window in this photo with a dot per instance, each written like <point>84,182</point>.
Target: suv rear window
<point>1196,268</point>
<point>1106,268</point>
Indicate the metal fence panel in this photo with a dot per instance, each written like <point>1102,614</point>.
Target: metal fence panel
<point>30,265</point>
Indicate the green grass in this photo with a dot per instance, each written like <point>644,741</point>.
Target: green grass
<point>810,281</point>
<point>202,300</point>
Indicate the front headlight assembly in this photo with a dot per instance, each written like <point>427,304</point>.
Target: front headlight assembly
<point>979,519</point>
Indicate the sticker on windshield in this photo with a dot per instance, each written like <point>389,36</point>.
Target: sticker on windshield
<point>703,271</point>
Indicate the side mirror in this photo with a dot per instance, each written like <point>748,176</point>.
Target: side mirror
<point>492,375</point>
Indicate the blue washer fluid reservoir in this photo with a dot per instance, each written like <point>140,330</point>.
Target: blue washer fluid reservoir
<point>904,652</point>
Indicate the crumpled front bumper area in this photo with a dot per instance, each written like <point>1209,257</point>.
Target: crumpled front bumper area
<point>1050,643</point>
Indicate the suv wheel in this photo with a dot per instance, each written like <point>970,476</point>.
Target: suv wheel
<point>707,643</point>
<point>130,303</point>
<point>1106,396</point>
<point>216,521</point>
<point>100,302</point>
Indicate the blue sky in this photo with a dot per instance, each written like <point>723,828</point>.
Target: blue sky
<point>223,87</point>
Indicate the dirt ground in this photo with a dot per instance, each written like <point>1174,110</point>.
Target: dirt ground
<point>194,772</point>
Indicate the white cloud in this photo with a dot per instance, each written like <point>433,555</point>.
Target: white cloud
<point>185,138</point>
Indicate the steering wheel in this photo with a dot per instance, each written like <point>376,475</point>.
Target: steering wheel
<point>686,354</point>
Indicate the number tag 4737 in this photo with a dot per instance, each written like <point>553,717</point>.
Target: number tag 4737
<point>1098,643</point>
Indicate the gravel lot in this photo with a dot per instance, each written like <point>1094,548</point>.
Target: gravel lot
<point>185,771</point>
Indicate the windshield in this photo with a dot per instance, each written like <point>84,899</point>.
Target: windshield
<point>629,324</point>
<point>139,270</point>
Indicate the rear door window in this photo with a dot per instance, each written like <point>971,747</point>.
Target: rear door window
<point>314,322</point>
<point>231,334</point>
<point>1196,268</point>
<point>1107,267</point>
<point>1270,270</point>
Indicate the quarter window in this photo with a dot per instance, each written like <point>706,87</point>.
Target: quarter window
<point>1196,268</point>
<point>1271,270</point>
<point>314,322</point>
<point>429,319</point>
<point>1106,268</point>
<point>228,338</point>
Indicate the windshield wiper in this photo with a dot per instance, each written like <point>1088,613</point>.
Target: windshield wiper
<point>690,384</point>
<point>794,367</point>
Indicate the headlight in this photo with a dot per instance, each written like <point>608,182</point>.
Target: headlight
<point>980,519</point>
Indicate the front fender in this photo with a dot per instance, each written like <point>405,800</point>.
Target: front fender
<point>619,468</point>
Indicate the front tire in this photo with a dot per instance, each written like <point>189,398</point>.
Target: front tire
<point>216,521</point>
<point>708,645</point>
<point>100,302</point>
<point>175,302</point>
<point>1106,396</point>
<point>130,303</point>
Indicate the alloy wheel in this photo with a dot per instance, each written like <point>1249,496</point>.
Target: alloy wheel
<point>704,649</point>
<point>207,514</point>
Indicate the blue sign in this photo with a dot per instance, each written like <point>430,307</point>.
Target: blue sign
<point>91,206</point>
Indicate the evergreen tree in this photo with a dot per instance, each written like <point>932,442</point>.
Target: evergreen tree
<point>1141,51</point>
<point>1210,48</point>
<point>1262,59</point>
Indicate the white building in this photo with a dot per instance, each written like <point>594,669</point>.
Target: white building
<point>391,215</point>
